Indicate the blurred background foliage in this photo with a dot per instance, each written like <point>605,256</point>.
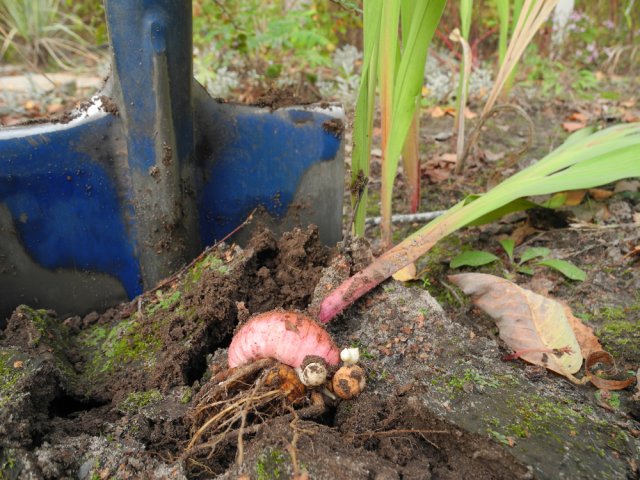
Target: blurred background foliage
<point>244,46</point>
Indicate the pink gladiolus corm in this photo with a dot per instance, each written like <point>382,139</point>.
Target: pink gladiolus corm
<point>288,337</point>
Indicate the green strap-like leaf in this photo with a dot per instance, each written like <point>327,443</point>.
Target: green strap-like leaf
<point>472,258</point>
<point>534,252</point>
<point>568,269</point>
<point>508,244</point>
<point>502,6</point>
<point>408,83</point>
<point>466,10</point>
<point>363,122</point>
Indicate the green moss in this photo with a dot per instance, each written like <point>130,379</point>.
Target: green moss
<point>209,263</point>
<point>136,401</point>
<point>618,441</point>
<point>186,396</point>
<point>612,399</point>
<point>9,375</point>
<point>619,328</point>
<point>621,338</point>
<point>586,317</point>
<point>536,415</point>
<point>164,302</point>
<point>39,320</point>
<point>499,437</point>
<point>123,343</point>
<point>272,465</point>
<point>472,376</point>
<point>9,467</point>
<point>612,313</point>
<point>48,329</point>
<point>45,329</point>
<point>518,430</point>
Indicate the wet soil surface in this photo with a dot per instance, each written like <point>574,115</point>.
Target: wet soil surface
<point>112,395</point>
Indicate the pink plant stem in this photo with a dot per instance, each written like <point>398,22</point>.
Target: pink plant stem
<point>409,250</point>
<point>411,159</point>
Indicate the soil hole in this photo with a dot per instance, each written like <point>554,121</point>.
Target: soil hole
<point>65,406</point>
<point>197,367</point>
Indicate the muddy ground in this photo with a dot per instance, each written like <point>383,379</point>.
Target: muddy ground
<point>118,394</point>
<point>111,396</point>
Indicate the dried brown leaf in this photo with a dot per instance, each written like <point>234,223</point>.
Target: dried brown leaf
<point>449,157</point>
<point>606,360</point>
<point>578,117</point>
<point>55,108</point>
<point>588,341</point>
<point>573,126</point>
<point>521,233</point>
<point>468,114</point>
<point>574,197</point>
<point>535,327</point>
<point>600,193</point>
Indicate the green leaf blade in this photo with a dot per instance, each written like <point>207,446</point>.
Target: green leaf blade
<point>534,252</point>
<point>567,269</point>
<point>508,244</point>
<point>472,258</point>
<point>525,269</point>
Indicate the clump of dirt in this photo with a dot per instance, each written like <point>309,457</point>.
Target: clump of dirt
<point>285,271</point>
<point>63,378</point>
<point>374,438</point>
<point>109,105</point>
<point>287,96</point>
<point>335,126</point>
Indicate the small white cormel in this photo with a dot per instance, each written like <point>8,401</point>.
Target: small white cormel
<point>350,356</point>
<point>313,373</point>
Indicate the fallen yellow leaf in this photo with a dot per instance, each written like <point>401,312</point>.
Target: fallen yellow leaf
<point>406,274</point>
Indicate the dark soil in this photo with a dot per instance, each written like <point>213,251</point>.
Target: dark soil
<point>377,438</point>
<point>334,126</point>
<point>287,96</point>
<point>109,105</point>
<point>83,386</point>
